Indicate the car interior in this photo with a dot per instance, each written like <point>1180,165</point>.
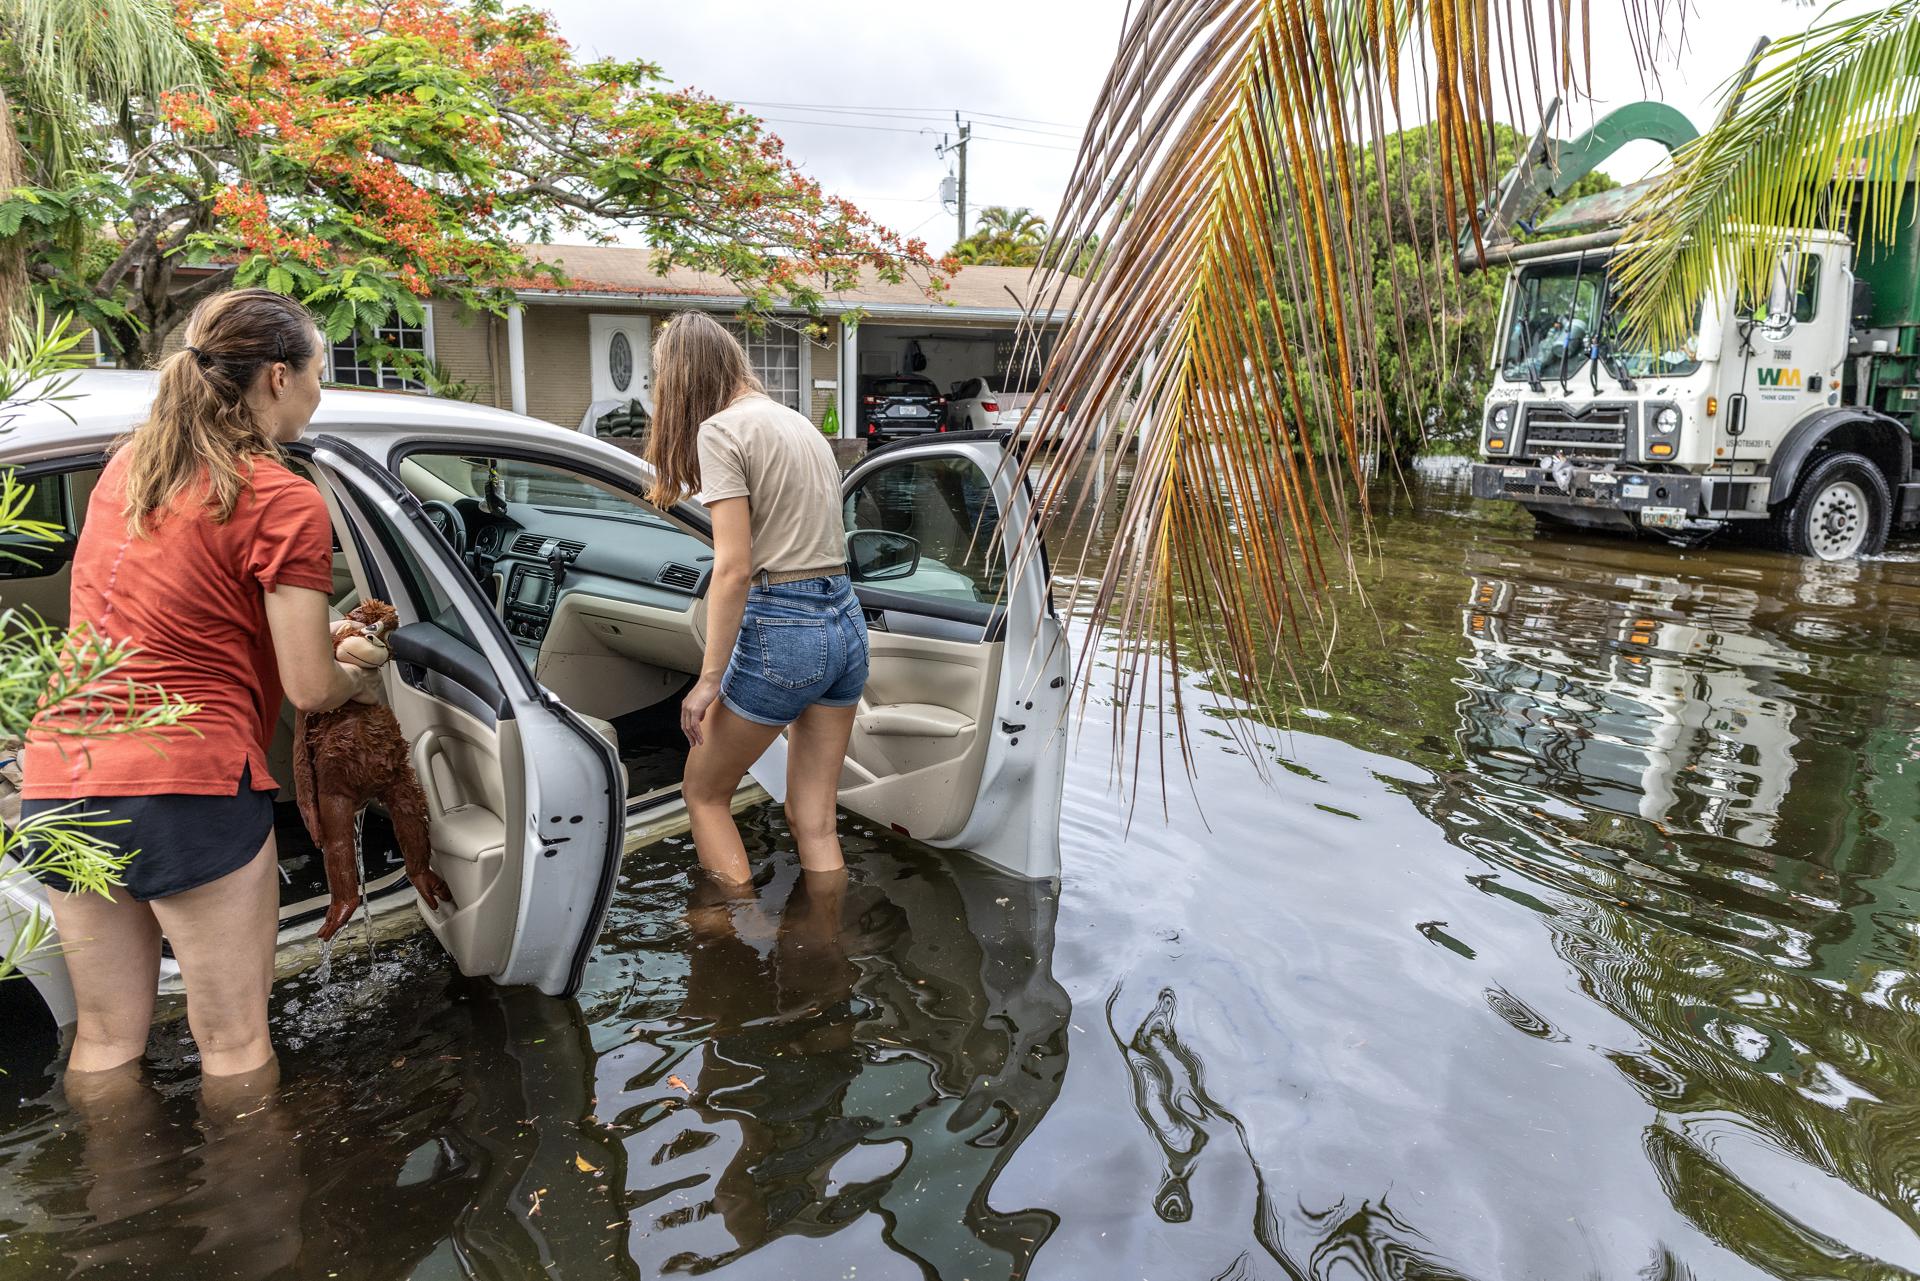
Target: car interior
<point>604,601</point>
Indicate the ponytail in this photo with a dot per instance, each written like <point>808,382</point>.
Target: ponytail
<point>201,423</point>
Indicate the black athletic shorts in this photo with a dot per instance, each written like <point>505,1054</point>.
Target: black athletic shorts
<point>180,842</point>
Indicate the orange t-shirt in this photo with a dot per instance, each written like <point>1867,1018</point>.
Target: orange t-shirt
<point>189,597</point>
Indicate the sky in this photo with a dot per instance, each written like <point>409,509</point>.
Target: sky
<point>862,92</point>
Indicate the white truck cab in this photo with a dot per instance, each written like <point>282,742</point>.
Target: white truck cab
<point>551,620</point>
<point>1794,414</point>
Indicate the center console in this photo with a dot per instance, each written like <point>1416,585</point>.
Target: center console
<point>529,603</point>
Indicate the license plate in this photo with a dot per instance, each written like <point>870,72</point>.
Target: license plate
<point>1634,489</point>
<point>1513,473</point>
<point>906,411</point>
<point>1664,517</point>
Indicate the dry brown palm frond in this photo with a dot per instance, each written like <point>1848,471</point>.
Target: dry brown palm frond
<point>1218,176</point>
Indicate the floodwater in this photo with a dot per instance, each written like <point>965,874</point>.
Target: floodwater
<point>1573,935</point>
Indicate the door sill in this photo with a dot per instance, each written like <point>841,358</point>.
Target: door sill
<point>661,813</point>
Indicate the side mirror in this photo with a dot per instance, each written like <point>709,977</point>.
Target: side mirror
<point>877,556</point>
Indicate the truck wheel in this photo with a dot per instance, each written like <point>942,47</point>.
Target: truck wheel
<point>1839,510</point>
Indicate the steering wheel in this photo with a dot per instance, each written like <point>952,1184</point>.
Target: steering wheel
<point>446,518</point>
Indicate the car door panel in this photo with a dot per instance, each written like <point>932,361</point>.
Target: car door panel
<point>525,807</point>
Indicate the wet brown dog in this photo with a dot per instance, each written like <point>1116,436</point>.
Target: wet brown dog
<point>350,756</point>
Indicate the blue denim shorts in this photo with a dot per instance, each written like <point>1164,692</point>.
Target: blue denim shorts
<point>800,643</point>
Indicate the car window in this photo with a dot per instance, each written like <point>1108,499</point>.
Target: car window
<point>48,501</point>
<point>421,587</point>
<point>473,476</point>
<point>903,387</point>
<point>947,508</point>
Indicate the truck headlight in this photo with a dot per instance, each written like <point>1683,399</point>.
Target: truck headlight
<point>1499,428</point>
<point>1667,421</point>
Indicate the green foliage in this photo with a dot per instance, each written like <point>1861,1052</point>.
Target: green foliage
<point>1437,326</point>
<point>1004,237</point>
<point>73,680</point>
<point>364,155</point>
<point>1839,101</point>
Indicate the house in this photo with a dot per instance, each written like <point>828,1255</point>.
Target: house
<point>562,351</point>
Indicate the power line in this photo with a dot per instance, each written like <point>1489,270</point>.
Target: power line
<point>931,120</point>
<point>927,112</point>
<point>835,124</point>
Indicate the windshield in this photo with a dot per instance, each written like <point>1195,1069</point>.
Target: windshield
<point>515,481</point>
<point>1559,309</point>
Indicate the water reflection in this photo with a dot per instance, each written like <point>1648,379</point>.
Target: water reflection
<point>1574,937</point>
<point>1678,758</point>
<point>846,1056</point>
<point>1170,1098</point>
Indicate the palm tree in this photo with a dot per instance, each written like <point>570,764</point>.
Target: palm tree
<point>66,68</point>
<point>1004,237</point>
<point>1233,313</point>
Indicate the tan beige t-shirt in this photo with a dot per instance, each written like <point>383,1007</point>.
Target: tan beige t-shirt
<point>780,462</point>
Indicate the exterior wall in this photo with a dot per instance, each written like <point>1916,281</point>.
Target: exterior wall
<point>559,368</point>
<point>463,346</point>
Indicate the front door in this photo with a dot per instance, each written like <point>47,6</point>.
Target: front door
<point>525,806</point>
<point>622,363</point>
<point>960,739</point>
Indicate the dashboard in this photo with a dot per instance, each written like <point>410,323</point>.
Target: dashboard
<point>533,557</point>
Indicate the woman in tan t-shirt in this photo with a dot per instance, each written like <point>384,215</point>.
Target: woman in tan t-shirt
<point>786,642</point>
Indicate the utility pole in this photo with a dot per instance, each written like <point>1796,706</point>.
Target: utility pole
<point>947,184</point>
<point>965,130</point>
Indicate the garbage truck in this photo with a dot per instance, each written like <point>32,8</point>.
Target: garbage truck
<point>1791,417</point>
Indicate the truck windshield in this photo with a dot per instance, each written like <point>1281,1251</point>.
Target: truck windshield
<point>1557,309</point>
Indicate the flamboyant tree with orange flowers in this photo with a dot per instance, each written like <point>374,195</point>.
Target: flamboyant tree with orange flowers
<point>361,155</point>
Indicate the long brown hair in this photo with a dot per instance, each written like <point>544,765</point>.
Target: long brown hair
<point>201,423</point>
<point>698,370</point>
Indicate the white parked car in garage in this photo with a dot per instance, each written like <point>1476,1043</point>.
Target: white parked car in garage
<point>551,620</point>
<point>972,406</point>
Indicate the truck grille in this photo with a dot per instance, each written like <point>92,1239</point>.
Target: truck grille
<point>1600,431</point>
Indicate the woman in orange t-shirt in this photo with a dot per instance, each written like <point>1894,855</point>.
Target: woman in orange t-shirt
<point>213,563</point>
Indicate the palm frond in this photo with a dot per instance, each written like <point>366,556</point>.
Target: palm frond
<point>73,57</point>
<point>1823,136</point>
<point>1228,324</point>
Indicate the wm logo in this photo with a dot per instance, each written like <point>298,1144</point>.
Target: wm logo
<point>1778,377</point>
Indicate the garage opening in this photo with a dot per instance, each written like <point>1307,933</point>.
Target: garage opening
<point>919,379</point>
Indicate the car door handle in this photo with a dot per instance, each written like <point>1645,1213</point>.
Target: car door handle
<point>876,619</point>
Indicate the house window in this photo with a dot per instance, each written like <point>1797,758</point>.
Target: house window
<point>347,364</point>
<point>774,355</point>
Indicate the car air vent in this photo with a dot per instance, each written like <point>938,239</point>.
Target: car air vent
<point>682,578</point>
<point>532,545</point>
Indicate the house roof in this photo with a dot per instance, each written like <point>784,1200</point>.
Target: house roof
<point>615,270</point>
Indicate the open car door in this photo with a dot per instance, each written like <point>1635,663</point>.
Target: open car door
<point>525,806</point>
<point>960,738</point>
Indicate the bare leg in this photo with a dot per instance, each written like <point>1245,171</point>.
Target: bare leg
<point>816,750</point>
<point>112,951</point>
<point>127,1147</point>
<point>247,1199</point>
<point>714,771</point>
<point>407,807</point>
<point>223,933</point>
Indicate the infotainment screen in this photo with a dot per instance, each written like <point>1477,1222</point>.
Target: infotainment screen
<point>532,591</point>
